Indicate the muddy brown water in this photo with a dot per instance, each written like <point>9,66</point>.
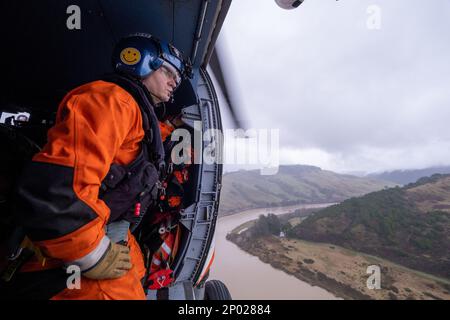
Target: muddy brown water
<point>246,276</point>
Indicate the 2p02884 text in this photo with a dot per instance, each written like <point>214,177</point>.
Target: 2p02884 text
<point>245,309</point>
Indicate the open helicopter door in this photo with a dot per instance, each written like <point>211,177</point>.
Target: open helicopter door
<point>198,220</point>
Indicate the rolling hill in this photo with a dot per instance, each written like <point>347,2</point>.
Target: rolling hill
<point>291,185</point>
<point>404,177</point>
<point>408,225</point>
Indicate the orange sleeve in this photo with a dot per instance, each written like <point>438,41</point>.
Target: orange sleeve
<point>61,187</point>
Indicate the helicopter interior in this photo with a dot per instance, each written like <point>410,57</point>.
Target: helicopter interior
<point>53,47</point>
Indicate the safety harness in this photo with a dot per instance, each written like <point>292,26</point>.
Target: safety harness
<point>163,218</point>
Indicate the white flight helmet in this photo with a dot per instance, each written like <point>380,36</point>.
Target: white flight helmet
<point>289,4</point>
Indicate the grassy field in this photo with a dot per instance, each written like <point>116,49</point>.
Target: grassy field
<point>342,271</point>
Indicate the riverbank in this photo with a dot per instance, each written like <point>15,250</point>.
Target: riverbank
<point>340,271</point>
<point>246,276</point>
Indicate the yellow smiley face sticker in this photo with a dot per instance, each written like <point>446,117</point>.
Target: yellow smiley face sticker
<point>130,56</point>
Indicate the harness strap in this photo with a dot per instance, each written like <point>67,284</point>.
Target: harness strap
<point>149,119</point>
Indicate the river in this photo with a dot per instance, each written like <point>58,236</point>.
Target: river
<point>246,276</point>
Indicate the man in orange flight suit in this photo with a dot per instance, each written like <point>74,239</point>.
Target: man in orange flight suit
<point>97,124</point>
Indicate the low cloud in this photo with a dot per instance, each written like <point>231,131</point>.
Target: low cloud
<point>344,96</point>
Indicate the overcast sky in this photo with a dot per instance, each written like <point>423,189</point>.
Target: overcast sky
<point>346,97</point>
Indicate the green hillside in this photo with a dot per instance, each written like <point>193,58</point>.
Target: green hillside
<point>291,185</point>
<point>409,225</point>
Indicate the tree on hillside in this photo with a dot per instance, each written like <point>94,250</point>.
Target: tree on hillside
<point>267,225</point>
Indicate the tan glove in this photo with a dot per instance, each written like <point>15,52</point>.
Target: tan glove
<point>114,264</point>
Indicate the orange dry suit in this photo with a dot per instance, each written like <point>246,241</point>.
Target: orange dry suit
<point>97,124</point>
